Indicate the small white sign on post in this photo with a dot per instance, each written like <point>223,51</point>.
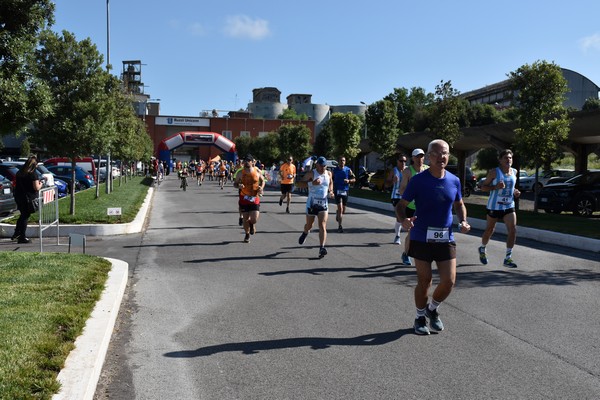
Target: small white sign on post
<point>114,211</point>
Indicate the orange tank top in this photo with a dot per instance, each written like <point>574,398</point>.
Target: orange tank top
<point>250,181</point>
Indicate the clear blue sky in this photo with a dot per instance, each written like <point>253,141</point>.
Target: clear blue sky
<point>200,55</point>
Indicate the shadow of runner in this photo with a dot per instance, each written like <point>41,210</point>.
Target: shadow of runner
<point>314,343</point>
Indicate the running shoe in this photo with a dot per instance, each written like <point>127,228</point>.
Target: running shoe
<point>508,263</point>
<point>482,255</point>
<point>287,210</point>
<point>302,238</point>
<point>421,326</point>
<point>340,229</point>
<point>434,319</point>
<point>397,240</point>
<point>240,221</point>
<point>247,238</point>
<point>322,252</point>
<point>405,259</point>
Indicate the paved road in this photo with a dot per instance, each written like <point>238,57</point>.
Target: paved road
<point>208,317</point>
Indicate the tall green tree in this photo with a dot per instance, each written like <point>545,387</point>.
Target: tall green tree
<point>383,132</point>
<point>345,131</point>
<point>295,140</point>
<point>24,98</point>
<point>410,106</point>
<point>542,119</point>
<point>290,113</point>
<point>267,148</point>
<point>81,107</point>
<point>447,111</point>
<point>243,145</point>
<point>324,142</point>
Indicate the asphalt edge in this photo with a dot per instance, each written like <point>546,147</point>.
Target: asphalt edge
<point>81,372</point>
<point>562,239</point>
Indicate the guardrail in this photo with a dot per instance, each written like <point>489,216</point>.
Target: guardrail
<point>48,212</point>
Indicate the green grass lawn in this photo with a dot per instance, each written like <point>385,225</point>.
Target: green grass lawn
<point>45,300</point>
<point>563,223</point>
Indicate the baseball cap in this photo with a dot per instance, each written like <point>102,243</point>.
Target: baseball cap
<point>322,161</point>
<point>417,152</point>
<point>248,157</point>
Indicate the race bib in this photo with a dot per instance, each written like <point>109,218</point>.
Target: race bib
<point>318,201</point>
<point>290,176</point>
<point>503,201</point>
<point>251,199</point>
<point>342,193</point>
<point>437,235</point>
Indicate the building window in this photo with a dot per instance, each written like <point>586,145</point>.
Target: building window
<point>262,134</point>
<point>245,133</point>
<point>227,134</point>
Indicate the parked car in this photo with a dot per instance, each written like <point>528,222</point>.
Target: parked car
<point>64,172</point>
<point>470,179</point>
<point>62,186</point>
<point>87,163</point>
<point>377,181</point>
<point>10,172</point>
<point>42,172</point>
<point>580,194</point>
<point>7,200</point>
<point>527,184</point>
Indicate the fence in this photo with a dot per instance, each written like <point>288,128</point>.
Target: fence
<point>48,212</point>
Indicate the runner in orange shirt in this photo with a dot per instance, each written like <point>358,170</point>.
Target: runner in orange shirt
<point>251,184</point>
<point>287,173</point>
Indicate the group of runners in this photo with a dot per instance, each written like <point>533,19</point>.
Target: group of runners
<point>424,197</point>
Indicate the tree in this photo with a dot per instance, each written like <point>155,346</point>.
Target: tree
<point>447,110</point>
<point>345,131</point>
<point>383,132</point>
<point>591,104</point>
<point>81,108</point>
<point>294,140</point>
<point>25,148</point>
<point>542,119</point>
<point>266,148</point>
<point>24,97</point>
<point>409,106</point>
<point>290,113</point>
<point>243,145</point>
<point>487,158</point>
<point>324,143</point>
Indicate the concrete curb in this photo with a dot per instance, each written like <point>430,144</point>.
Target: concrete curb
<point>576,242</point>
<point>79,377</point>
<point>136,226</point>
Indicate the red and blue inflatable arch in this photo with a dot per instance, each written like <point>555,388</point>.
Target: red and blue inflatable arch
<point>195,139</point>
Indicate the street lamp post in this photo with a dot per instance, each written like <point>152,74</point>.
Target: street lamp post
<point>108,163</point>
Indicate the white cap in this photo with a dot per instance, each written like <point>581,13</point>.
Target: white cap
<point>416,152</point>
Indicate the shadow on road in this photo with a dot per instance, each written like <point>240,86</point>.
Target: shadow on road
<point>314,343</point>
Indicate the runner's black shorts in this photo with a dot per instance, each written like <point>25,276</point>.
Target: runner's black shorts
<point>249,207</point>
<point>339,198</point>
<point>286,188</point>
<point>499,214</point>
<point>432,251</point>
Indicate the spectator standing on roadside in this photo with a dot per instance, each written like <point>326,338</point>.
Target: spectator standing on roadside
<point>287,173</point>
<point>395,178</point>
<point>320,187</point>
<point>417,166</point>
<point>436,191</point>
<point>251,184</point>
<point>27,187</point>
<point>500,183</point>
<point>342,178</point>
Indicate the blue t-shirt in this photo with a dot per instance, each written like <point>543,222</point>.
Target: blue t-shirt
<point>434,199</point>
<point>339,174</point>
